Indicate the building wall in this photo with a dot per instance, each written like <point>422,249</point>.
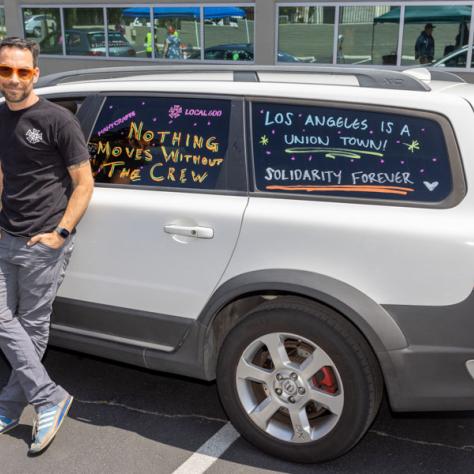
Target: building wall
<point>315,37</point>
<point>264,34</point>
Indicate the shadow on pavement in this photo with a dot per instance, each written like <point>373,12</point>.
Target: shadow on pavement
<point>184,413</point>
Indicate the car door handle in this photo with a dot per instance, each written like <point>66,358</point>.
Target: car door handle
<point>190,231</point>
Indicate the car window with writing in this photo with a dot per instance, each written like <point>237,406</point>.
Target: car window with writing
<point>161,142</point>
<point>349,153</point>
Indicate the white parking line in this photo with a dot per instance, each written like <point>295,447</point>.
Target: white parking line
<point>209,452</point>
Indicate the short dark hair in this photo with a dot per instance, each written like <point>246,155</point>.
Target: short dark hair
<point>21,43</point>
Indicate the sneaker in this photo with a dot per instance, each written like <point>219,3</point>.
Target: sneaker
<point>6,424</point>
<point>47,423</point>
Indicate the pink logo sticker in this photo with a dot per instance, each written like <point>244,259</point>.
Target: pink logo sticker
<point>175,111</point>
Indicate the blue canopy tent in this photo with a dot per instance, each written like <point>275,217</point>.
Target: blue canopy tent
<point>188,13</point>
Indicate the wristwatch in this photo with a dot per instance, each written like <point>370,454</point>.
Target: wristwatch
<point>64,233</point>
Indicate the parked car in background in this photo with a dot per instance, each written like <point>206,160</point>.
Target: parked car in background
<point>92,43</point>
<point>456,58</point>
<point>39,25</point>
<point>236,52</point>
<point>230,52</point>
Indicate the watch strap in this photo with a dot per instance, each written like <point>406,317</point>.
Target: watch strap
<point>64,233</point>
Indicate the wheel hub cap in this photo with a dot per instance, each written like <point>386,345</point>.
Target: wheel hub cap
<point>289,387</point>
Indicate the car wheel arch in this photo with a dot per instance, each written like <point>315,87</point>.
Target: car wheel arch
<point>234,298</point>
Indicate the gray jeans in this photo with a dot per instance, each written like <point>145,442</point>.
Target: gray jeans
<point>29,280</point>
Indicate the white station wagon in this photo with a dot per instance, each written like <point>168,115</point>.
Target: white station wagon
<point>304,236</point>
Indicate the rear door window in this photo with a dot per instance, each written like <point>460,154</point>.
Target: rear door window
<point>167,142</point>
<point>352,153</point>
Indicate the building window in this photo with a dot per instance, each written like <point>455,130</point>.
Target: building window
<point>177,32</point>
<point>363,38</point>
<point>84,31</point>
<point>305,34</point>
<point>229,33</point>
<point>43,25</point>
<point>129,30</point>
<point>3,30</point>
<point>437,35</point>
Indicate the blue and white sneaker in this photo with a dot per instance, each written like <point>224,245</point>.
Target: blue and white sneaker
<point>7,424</point>
<point>47,424</point>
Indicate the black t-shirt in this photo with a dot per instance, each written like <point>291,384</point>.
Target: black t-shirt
<point>37,144</point>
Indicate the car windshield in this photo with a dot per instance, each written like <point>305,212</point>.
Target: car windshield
<point>456,59</point>
<point>214,54</point>
<point>285,57</point>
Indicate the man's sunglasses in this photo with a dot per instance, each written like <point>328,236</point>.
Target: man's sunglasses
<point>23,73</point>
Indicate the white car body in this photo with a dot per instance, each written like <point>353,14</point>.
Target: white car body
<point>402,275</point>
<point>375,228</point>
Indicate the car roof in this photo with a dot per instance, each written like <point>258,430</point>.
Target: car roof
<point>231,46</point>
<point>416,79</point>
<point>338,89</point>
<point>77,30</point>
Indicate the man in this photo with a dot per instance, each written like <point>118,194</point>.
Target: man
<point>46,186</point>
<point>425,45</point>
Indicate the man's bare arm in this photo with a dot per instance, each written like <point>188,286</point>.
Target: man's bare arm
<point>83,186</point>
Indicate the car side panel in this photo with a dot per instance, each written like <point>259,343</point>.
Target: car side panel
<point>124,258</point>
<point>395,255</point>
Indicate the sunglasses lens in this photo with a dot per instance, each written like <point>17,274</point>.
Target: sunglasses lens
<point>6,71</point>
<point>25,73</point>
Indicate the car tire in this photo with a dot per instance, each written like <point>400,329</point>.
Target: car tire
<point>291,347</point>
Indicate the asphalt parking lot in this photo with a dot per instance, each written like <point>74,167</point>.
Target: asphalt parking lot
<point>130,420</point>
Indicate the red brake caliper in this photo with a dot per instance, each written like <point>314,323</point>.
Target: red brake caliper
<point>325,380</point>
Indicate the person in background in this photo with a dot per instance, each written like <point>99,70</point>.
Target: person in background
<point>425,45</point>
<point>462,38</point>
<point>120,27</point>
<point>148,44</point>
<point>340,52</point>
<point>172,44</point>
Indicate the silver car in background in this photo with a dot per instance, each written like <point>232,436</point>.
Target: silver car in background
<point>92,43</point>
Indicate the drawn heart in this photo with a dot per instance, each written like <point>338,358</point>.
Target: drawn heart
<point>431,186</point>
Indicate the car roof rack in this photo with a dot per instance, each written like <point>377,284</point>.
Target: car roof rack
<point>445,76</point>
<point>373,78</point>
